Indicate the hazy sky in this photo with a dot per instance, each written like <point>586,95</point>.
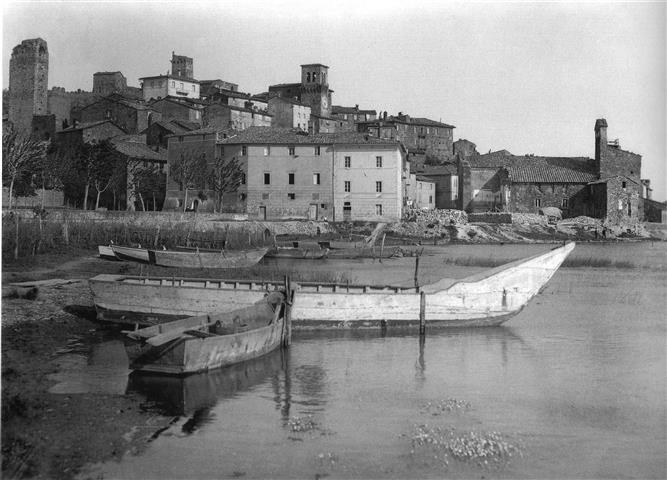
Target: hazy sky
<point>526,77</point>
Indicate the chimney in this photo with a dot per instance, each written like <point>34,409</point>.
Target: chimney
<point>600,141</point>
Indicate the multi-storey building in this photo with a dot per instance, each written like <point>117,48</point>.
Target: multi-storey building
<point>163,86</point>
<point>106,83</point>
<point>238,118</point>
<point>419,135</point>
<point>289,113</point>
<point>175,108</point>
<point>130,115</point>
<point>182,66</point>
<point>292,174</point>
<point>349,116</point>
<point>313,90</point>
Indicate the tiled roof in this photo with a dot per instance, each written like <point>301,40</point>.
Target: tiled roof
<point>186,124</point>
<point>240,109</point>
<point>605,180</point>
<point>169,75</point>
<point>551,170</point>
<point>289,100</point>
<point>284,85</point>
<point>271,135</point>
<point>132,146</point>
<point>408,121</point>
<point>172,127</point>
<point>206,131</point>
<point>87,125</point>
<point>342,110</point>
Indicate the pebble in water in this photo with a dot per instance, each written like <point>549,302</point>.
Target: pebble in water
<point>447,405</point>
<point>302,424</point>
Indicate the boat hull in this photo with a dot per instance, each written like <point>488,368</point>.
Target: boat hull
<point>106,252</point>
<point>485,299</point>
<point>189,347</point>
<point>207,259</point>
<point>130,253</point>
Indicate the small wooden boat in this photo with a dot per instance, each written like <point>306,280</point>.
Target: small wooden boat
<point>307,253</point>
<point>206,342</point>
<point>106,252</point>
<point>135,254</point>
<point>205,258</point>
<point>192,394</point>
<point>488,298</point>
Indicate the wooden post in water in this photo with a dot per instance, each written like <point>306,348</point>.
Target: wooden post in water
<point>382,246</point>
<point>422,313</point>
<point>287,321</point>
<point>417,273</point>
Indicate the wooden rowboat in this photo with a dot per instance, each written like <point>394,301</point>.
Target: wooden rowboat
<point>105,251</point>
<point>488,298</point>
<point>206,342</point>
<point>136,254</point>
<point>305,253</point>
<point>207,258</point>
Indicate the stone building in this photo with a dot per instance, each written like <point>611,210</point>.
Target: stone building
<point>419,135</point>
<point>130,115</point>
<point>237,118</point>
<point>349,116</point>
<point>158,132</point>
<point>291,174</point>
<point>313,90</point>
<point>210,87</point>
<point>64,104</point>
<point>446,180</point>
<point>163,86</point>
<point>607,186</point>
<point>28,82</point>
<point>71,138</point>
<point>289,113</point>
<point>106,83</point>
<point>419,192</point>
<point>174,108</point>
<point>182,66</point>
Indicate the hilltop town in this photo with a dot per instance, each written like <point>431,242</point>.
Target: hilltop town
<point>181,144</point>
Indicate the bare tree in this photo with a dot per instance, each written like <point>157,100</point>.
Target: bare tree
<point>224,177</point>
<point>20,155</point>
<point>190,172</point>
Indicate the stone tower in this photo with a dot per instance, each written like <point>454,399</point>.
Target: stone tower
<point>600,143</point>
<point>28,82</point>
<point>315,88</point>
<point>181,66</point>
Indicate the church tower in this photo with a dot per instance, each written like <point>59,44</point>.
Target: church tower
<point>28,82</point>
<point>315,90</point>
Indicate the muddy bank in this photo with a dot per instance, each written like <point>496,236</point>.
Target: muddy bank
<point>49,435</point>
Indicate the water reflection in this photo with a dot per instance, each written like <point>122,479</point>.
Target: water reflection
<point>196,394</point>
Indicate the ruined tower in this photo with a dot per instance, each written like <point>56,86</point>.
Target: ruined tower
<point>181,66</point>
<point>28,82</point>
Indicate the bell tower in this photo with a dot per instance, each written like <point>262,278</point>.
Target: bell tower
<point>315,88</point>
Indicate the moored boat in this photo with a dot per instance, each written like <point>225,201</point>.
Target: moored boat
<point>306,253</point>
<point>488,298</point>
<point>207,258</point>
<point>136,254</point>
<point>105,251</point>
<point>206,342</point>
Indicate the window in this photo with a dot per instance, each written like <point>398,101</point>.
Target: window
<point>243,179</point>
<point>629,208</point>
<point>267,179</point>
<point>430,199</point>
<point>265,196</point>
<point>193,88</point>
<point>316,178</point>
<point>290,178</point>
<point>267,151</point>
<point>180,84</point>
<point>348,162</point>
<point>291,196</point>
<point>347,185</point>
<point>244,150</point>
<point>623,184</point>
<point>317,150</point>
<point>378,210</point>
<point>290,150</point>
<point>538,202</point>
<point>564,203</point>
<point>378,187</point>
<point>378,162</point>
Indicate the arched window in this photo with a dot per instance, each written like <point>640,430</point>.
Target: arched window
<point>308,77</point>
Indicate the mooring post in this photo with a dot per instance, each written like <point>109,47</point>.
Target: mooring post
<point>422,313</point>
<point>382,246</point>
<point>287,322</point>
<point>417,273</point>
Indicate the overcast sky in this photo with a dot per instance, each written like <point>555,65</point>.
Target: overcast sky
<point>526,77</point>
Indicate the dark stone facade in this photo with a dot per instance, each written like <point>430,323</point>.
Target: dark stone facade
<point>28,82</point>
<point>131,116</point>
<point>106,83</point>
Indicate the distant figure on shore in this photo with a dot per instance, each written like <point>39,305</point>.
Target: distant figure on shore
<point>604,232</point>
<point>596,234</point>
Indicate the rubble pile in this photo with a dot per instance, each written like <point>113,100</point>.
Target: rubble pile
<point>440,217</point>
<point>529,219</point>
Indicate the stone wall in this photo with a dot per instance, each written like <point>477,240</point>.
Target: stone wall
<point>28,82</point>
<point>523,197</point>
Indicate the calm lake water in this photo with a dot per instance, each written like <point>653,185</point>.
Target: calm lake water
<point>576,382</point>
